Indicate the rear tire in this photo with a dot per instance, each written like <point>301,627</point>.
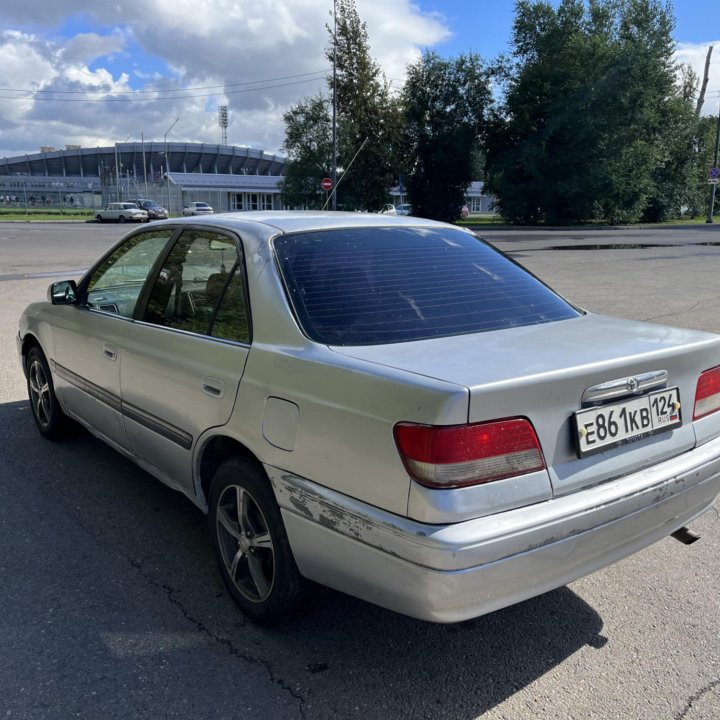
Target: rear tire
<point>51,421</point>
<point>251,545</point>
<point>122,219</point>
<point>99,218</point>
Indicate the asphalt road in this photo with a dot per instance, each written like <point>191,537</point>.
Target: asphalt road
<point>110,605</point>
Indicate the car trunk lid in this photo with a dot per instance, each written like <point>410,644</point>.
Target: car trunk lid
<point>542,372</point>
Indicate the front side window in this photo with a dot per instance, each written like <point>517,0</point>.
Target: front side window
<point>114,286</point>
<point>201,288</point>
<point>370,286</point>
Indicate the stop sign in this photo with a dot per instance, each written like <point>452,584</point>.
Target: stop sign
<point>326,184</point>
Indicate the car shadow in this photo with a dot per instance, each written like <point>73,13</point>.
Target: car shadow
<point>128,574</point>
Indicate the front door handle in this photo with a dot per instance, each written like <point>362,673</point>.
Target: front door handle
<point>109,352</point>
<point>214,387</point>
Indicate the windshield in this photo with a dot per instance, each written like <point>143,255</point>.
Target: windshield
<point>370,286</point>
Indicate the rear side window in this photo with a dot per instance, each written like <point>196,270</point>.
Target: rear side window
<point>370,286</point>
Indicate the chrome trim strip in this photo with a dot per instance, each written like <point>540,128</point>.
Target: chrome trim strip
<point>199,336</point>
<point>631,385</point>
<point>105,397</point>
<point>165,429</point>
<point>168,431</point>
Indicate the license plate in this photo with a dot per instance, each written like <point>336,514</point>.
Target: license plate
<point>609,426</point>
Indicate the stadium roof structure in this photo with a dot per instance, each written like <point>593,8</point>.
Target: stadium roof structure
<point>141,160</point>
<point>211,181</point>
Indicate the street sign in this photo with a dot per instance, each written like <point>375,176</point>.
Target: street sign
<point>326,184</point>
<point>713,181</point>
<point>714,173</point>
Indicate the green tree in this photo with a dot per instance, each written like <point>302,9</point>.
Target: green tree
<point>703,160</point>
<point>308,145</point>
<point>591,112</point>
<point>445,103</point>
<point>365,111</point>
<point>674,177</point>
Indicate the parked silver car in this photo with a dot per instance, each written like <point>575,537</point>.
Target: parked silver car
<point>385,405</point>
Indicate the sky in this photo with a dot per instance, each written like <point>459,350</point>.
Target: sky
<point>96,72</point>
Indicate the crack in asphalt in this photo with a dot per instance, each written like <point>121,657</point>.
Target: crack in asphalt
<point>694,306</point>
<point>198,624</point>
<point>694,698</point>
<point>228,644</point>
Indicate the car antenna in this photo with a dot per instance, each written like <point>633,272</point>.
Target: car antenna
<point>345,172</point>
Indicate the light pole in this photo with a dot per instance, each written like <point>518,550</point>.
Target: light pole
<point>334,109</point>
<point>167,161</point>
<point>713,187</point>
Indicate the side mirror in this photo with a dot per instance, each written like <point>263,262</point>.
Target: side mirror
<point>63,293</point>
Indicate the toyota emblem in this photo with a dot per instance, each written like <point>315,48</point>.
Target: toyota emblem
<point>632,384</point>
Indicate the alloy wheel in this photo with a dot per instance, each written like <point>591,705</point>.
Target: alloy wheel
<point>245,543</point>
<point>40,393</point>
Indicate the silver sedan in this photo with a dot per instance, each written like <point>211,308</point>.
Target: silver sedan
<point>385,405</point>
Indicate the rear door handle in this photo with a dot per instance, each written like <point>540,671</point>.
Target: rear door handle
<point>213,387</point>
<point>109,352</point>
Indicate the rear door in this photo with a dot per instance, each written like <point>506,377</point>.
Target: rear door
<point>184,357</point>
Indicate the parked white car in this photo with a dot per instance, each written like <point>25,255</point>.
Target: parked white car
<point>385,405</point>
<point>121,212</point>
<point>197,208</point>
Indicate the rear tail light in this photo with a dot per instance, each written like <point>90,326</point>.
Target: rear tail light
<point>707,395</point>
<point>453,456</point>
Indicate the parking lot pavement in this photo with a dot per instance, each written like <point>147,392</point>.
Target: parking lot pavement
<point>111,606</point>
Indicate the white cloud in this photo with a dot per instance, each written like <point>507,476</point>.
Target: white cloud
<point>218,42</point>
<point>85,47</point>
<point>695,55</point>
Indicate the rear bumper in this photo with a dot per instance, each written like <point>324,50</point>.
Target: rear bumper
<point>449,573</point>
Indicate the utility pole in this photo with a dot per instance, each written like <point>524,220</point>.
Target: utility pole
<point>334,109</point>
<point>142,140</point>
<point>167,162</point>
<point>713,187</point>
<point>706,78</point>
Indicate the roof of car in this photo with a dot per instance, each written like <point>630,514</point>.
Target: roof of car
<point>287,221</point>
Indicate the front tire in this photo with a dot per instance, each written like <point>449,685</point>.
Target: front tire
<point>251,545</point>
<point>122,219</point>
<point>51,421</point>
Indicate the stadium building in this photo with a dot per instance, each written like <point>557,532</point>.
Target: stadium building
<point>225,176</point>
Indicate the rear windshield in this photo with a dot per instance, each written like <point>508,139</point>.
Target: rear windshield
<point>371,286</point>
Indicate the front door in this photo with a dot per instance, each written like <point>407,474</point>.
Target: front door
<point>89,338</point>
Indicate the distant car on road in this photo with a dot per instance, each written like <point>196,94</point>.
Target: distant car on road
<point>197,208</point>
<point>388,210</point>
<point>404,209</point>
<point>154,210</point>
<point>121,212</point>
